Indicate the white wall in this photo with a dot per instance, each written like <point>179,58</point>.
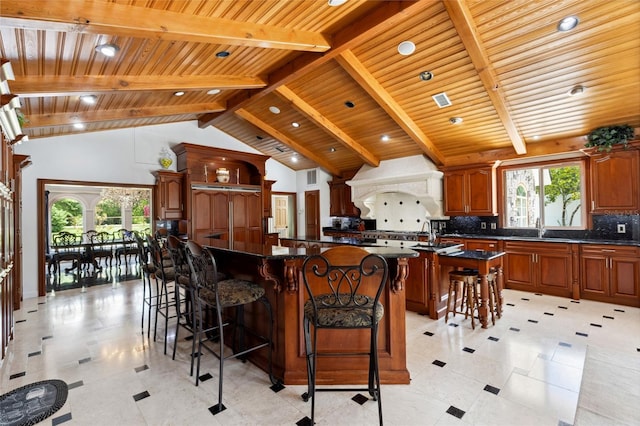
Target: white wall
<point>117,156</point>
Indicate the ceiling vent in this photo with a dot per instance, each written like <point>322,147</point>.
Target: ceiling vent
<point>280,149</point>
<point>441,100</point>
<point>312,177</point>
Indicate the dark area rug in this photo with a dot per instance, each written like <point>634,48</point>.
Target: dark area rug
<point>32,403</point>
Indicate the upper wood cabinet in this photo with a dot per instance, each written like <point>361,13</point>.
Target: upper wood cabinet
<point>340,197</point>
<point>614,182</point>
<point>169,197</point>
<point>470,192</point>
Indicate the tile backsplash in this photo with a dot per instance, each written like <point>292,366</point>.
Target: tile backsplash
<point>605,227</point>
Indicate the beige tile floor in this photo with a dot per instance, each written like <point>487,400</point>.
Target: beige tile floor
<point>548,361</point>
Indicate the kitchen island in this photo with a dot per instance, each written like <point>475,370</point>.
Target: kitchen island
<point>278,270</point>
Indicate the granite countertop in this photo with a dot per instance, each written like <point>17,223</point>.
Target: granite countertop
<point>278,252</point>
<point>474,254</point>
<point>544,239</point>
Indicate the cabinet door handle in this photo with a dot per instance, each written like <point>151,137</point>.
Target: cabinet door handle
<point>593,205</point>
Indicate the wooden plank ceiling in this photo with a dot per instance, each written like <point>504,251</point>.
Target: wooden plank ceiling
<point>335,70</point>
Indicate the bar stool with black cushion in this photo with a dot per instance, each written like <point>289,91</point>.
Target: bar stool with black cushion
<point>344,285</point>
<point>220,295</point>
<point>149,298</point>
<point>465,282</point>
<point>183,293</point>
<point>165,272</point>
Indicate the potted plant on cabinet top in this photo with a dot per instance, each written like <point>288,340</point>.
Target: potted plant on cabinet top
<point>603,138</point>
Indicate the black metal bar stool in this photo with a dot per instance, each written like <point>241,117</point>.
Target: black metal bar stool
<point>344,285</point>
<point>465,282</point>
<point>218,295</point>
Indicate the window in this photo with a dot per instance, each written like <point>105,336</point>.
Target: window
<point>549,196</point>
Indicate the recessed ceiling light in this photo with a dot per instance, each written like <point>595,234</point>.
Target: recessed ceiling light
<point>88,99</point>
<point>406,48</point>
<point>274,109</point>
<point>426,75</point>
<point>213,92</point>
<point>259,137</point>
<point>349,104</point>
<point>455,120</point>
<point>576,90</point>
<point>78,126</point>
<point>178,93</point>
<point>295,124</point>
<point>568,23</point>
<point>294,159</point>
<point>222,54</point>
<point>336,2</point>
<point>107,49</point>
<point>332,149</point>
<point>535,137</point>
<point>385,138</point>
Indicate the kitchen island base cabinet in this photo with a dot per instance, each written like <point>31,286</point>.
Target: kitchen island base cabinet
<point>277,269</point>
<point>611,274</point>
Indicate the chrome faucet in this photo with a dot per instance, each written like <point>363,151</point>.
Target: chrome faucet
<point>426,227</point>
<point>541,231</point>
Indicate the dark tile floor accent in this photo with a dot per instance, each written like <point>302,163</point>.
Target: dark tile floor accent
<point>575,301</point>
<point>428,333</point>
<point>618,310</point>
<point>493,339</point>
<point>142,395</point>
<point>533,321</point>
<point>277,387</point>
<point>84,360</point>
<point>205,377</point>
<point>141,368</point>
<point>61,419</point>
<point>47,337</point>
<point>439,363</point>
<point>16,375</point>
<point>492,389</point>
<point>514,329</point>
<point>453,324</point>
<point>595,325</point>
<point>75,384</point>
<point>538,294</point>
<point>607,317</point>
<point>360,399</point>
<point>566,345</point>
<point>510,304</point>
<point>549,313</point>
<point>305,421</point>
<point>455,412</point>
<point>19,321</point>
<point>561,423</point>
<point>32,311</point>
<point>563,307</point>
<point>34,354</point>
<point>469,350</point>
<point>525,299</point>
<point>581,334</point>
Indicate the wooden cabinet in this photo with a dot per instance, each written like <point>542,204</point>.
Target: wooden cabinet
<point>169,195</point>
<point>418,283</point>
<point>227,214</point>
<point>266,197</point>
<point>540,267</point>
<point>610,273</point>
<point>615,187</point>
<point>470,192</point>
<point>481,244</point>
<point>340,197</point>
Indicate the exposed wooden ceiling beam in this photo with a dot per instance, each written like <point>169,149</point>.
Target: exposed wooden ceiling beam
<point>276,134</point>
<point>99,17</point>
<point>556,146</point>
<point>363,77</point>
<point>323,122</point>
<point>384,17</point>
<point>36,121</point>
<point>37,86</point>
<point>465,26</point>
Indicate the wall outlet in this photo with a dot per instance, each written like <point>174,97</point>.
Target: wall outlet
<point>622,228</point>
<point>493,226</point>
<point>483,225</point>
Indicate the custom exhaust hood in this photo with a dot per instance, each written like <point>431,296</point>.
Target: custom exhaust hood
<point>416,176</point>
